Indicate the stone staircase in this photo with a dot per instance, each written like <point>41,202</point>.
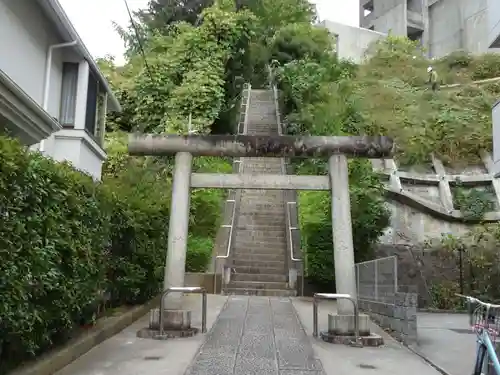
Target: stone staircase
<point>259,252</point>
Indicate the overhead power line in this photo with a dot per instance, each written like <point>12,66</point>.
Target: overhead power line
<point>139,41</point>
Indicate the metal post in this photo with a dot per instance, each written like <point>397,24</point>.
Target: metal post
<point>187,289</point>
<point>204,311</point>
<point>178,228</point>
<point>342,231</point>
<point>375,267</point>
<point>331,296</point>
<point>315,317</point>
<point>395,275</point>
<point>356,269</point>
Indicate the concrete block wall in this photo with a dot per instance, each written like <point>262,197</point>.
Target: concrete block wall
<point>399,316</point>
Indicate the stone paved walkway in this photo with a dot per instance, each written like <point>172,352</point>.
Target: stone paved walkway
<point>256,335</point>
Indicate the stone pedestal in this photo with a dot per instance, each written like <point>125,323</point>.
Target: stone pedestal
<point>176,323</point>
<point>172,319</point>
<point>343,325</point>
<point>341,331</point>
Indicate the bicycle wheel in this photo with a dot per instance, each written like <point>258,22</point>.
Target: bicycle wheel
<point>481,361</point>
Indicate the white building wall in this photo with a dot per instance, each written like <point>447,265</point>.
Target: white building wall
<point>25,37</point>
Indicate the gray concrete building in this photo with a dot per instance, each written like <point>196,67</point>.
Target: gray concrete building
<point>442,26</point>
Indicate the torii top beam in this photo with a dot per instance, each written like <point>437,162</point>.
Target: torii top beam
<point>373,147</point>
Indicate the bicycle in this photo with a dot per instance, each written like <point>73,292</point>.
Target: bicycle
<point>484,319</point>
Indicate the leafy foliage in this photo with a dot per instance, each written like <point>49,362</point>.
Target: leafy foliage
<point>195,73</point>
<point>473,203</point>
<point>480,258</point>
<point>393,99</point>
<point>319,99</point>
<point>67,241</point>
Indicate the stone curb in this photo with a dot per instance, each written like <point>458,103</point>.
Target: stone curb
<point>439,311</point>
<point>59,358</point>
<point>428,361</point>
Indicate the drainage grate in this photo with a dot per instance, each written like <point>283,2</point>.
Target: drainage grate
<point>367,367</point>
<point>462,330</point>
<point>152,358</point>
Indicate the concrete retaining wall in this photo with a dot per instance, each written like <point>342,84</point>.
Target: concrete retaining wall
<point>205,280</point>
<point>400,317</point>
<point>352,42</point>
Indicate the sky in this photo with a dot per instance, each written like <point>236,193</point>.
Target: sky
<point>97,32</point>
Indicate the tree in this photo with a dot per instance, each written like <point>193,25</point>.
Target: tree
<point>162,13</point>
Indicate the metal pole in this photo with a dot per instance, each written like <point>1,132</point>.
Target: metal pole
<point>356,269</point>
<point>375,267</point>
<point>460,259</point>
<point>204,311</point>
<point>315,317</point>
<point>330,296</point>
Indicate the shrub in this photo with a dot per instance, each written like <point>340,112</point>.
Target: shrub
<point>199,253</point>
<point>66,240</point>
<point>53,239</point>
<point>369,219</point>
<point>478,251</point>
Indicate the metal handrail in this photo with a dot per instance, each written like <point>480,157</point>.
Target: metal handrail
<point>245,104</point>
<point>283,169</point>
<point>290,230</point>
<point>330,296</point>
<point>187,289</point>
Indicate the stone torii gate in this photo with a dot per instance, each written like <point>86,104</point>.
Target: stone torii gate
<point>336,148</point>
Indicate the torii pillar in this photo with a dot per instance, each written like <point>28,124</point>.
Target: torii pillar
<point>336,149</point>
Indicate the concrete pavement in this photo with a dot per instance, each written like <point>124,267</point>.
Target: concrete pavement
<point>125,354</point>
<point>447,341</point>
<point>390,359</point>
<point>247,335</point>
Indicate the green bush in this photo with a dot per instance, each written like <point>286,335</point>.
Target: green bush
<point>369,219</point>
<point>66,241</point>
<point>199,253</point>
<point>320,100</point>
<point>54,232</point>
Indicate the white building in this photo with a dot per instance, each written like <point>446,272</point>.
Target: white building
<point>494,23</point>
<point>52,95</point>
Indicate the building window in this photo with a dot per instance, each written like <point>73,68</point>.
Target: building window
<point>91,112</point>
<point>68,94</point>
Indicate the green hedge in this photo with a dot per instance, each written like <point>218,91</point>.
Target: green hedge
<point>66,241</point>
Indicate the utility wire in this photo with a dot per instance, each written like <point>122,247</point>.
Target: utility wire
<point>138,39</point>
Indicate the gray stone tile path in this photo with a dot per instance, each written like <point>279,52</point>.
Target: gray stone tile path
<point>256,335</point>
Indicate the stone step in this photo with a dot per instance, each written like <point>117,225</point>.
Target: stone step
<point>245,244</point>
<point>258,226</point>
<point>257,284</point>
<point>271,196</point>
<point>272,210</point>
<point>259,264</point>
<point>262,277</point>
<point>252,257</point>
<point>277,195</point>
<point>259,271</point>
<point>260,292</point>
<point>242,251</point>
<point>264,128</point>
<point>260,236</point>
<point>258,207</point>
<point>265,216</point>
<point>262,159</point>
